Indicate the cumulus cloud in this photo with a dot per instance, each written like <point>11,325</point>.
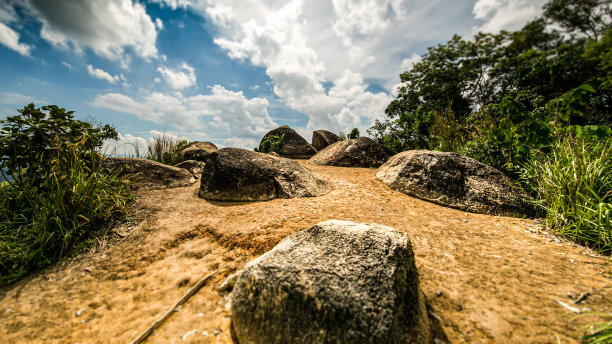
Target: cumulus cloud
<point>10,39</point>
<point>101,74</point>
<point>227,112</point>
<point>408,63</point>
<point>108,27</point>
<point>179,78</point>
<point>506,14</point>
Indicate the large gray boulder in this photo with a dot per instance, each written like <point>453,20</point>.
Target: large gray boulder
<point>295,146</point>
<point>148,174</point>
<point>337,282</point>
<point>198,150</point>
<point>235,174</point>
<point>323,138</point>
<point>359,152</point>
<point>452,180</point>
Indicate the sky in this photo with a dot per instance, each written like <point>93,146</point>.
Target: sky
<point>227,71</point>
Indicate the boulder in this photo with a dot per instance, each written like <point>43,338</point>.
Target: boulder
<point>452,180</point>
<point>295,146</point>
<point>323,138</point>
<point>193,166</point>
<point>235,174</point>
<point>198,150</point>
<point>337,282</point>
<point>359,152</point>
<point>148,174</point>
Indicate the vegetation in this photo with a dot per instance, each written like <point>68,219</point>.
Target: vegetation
<point>165,149</point>
<point>535,103</point>
<point>353,134</point>
<point>55,197</point>
<point>273,143</point>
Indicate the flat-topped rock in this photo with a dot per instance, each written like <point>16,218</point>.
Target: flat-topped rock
<point>295,146</point>
<point>235,174</point>
<point>148,174</point>
<point>337,282</point>
<point>198,150</point>
<point>323,138</point>
<point>456,181</point>
<point>359,152</point>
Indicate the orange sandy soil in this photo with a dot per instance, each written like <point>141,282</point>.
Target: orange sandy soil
<point>489,279</point>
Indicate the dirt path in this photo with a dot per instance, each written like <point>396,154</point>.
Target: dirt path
<point>489,279</point>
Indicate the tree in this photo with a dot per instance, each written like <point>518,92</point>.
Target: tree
<point>589,17</point>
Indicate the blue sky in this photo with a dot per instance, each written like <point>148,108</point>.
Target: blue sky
<point>227,71</point>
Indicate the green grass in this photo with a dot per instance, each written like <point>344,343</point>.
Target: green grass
<point>44,222</point>
<point>599,332</point>
<point>165,149</point>
<point>573,184</point>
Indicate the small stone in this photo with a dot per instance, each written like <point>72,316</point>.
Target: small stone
<point>438,293</point>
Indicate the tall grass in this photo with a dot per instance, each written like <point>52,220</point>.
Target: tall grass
<point>165,149</point>
<point>43,222</point>
<point>573,184</point>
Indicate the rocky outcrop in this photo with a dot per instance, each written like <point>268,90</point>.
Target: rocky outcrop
<point>148,174</point>
<point>295,146</point>
<point>359,152</point>
<point>323,138</point>
<point>452,180</point>
<point>235,174</point>
<point>198,150</point>
<point>337,282</point>
<point>193,166</point>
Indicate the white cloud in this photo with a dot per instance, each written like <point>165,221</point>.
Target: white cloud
<point>10,39</point>
<point>101,74</point>
<point>108,27</point>
<point>179,78</point>
<point>506,14</point>
<point>159,24</point>
<point>19,100</point>
<point>229,113</point>
<point>408,63</point>
<point>125,145</point>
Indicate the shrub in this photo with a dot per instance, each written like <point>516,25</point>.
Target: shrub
<point>273,143</point>
<point>165,149</point>
<point>574,186</point>
<point>353,134</point>
<point>55,198</point>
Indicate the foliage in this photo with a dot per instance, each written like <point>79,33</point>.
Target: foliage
<point>30,141</point>
<point>353,134</point>
<point>574,185</point>
<point>56,198</point>
<point>273,143</point>
<point>165,149</point>
<point>600,332</point>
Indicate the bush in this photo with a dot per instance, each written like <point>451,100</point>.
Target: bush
<point>353,134</point>
<point>573,184</point>
<point>55,198</point>
<point>273,143</point>
<point>165,149</point>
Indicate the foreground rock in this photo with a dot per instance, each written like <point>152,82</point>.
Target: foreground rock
<point>198,150</point>
<point>337,282</point>
<point>148,174</point>
<point>235,174</point>
<point>359,152</point>
<point>452,180</point>
<point>296,147</point>
<point>323,138</point>
<point>195,167</point>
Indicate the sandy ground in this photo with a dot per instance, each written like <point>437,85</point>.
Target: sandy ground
<point>489,279</point>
